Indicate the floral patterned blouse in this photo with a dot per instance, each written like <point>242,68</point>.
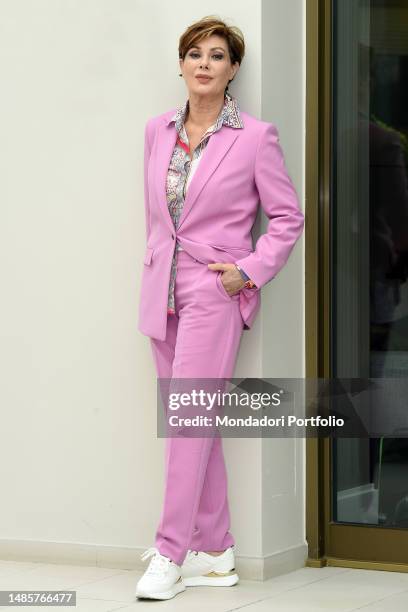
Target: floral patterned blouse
<point>182,168</point>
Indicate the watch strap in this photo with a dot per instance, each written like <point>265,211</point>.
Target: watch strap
<point>249,284</point>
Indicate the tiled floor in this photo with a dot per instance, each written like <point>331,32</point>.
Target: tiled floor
<point>307,589</point>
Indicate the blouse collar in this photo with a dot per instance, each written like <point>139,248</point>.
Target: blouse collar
<point>229,115</point>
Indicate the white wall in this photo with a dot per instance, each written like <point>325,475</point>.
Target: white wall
<point>79,459</point>
<point>283,350</point>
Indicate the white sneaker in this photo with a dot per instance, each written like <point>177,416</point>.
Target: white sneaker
<point>162,579</point>
<point>201,569</point>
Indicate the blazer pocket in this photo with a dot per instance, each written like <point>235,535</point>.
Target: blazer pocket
<point>148,256</point>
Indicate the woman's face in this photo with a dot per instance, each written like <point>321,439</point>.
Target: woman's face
<point>210,57</point>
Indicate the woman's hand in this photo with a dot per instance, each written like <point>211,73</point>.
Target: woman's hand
<point>231,278</point>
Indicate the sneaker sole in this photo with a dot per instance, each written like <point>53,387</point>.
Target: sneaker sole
<point>217,580</point>
<point>175,590</point>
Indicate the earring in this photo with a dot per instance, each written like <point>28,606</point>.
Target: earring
<point>180,74</point>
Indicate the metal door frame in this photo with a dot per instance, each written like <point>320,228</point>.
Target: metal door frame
<point>359,546</point>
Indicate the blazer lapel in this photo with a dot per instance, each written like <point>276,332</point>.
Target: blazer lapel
<point>166,140</point>
<point>217,147</point>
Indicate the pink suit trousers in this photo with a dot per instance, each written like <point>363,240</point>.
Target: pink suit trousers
<point>202,341</point>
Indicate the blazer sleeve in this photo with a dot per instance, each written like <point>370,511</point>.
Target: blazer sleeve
<point>280,203</point>
<point>147,149</point>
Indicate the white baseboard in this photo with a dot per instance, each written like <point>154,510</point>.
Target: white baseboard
<point>274,564</point>
<point>128,558</point>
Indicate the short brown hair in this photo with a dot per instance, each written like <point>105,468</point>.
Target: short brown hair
<point>207,26</point>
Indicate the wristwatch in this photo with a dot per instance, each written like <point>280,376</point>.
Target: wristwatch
<point>249,284</point>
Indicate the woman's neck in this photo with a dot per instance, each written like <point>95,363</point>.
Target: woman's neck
<point>203,112</point>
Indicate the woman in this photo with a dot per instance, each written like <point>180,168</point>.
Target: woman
<point>207,167</point>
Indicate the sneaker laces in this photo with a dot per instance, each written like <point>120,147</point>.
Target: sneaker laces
<point>159,563</point>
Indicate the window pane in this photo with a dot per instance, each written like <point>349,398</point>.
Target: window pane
<point>370,243</point>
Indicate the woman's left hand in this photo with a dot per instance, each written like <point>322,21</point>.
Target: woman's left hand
<point>231,278</point>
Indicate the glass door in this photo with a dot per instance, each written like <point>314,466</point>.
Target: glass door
<point>366,506</point>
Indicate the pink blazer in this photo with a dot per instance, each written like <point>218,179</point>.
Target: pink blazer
<point>240,169</point>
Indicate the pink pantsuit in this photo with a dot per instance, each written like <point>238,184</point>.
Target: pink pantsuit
<point>239,169</point>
